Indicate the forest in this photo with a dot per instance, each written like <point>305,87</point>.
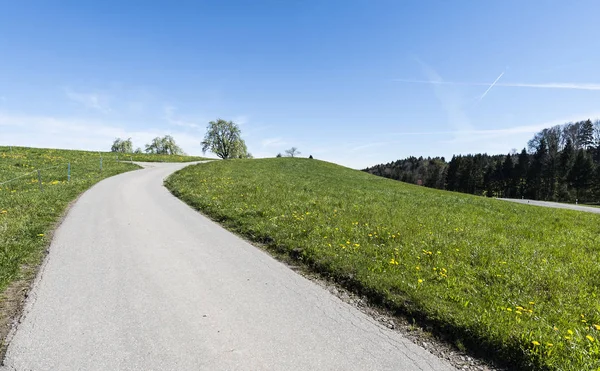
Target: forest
<point>561,163</point>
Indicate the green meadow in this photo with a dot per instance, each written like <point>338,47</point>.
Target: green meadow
<point>513,283</point>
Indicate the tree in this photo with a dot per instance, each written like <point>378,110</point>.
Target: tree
<point>292,152</point>
<point>122,146</point>
<point>223,138</point>
<point>586,134</point>
<point>164,146</point>
<point>581,173</point>
<point>278,155</point>
<point>520,173</point>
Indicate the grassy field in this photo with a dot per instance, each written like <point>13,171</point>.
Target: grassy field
<point>514,283</point>
<point>28,214</point>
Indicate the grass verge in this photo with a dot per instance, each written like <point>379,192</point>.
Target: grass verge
<point>512,283</point>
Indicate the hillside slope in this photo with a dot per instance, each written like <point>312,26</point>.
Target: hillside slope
<point>516,283</point>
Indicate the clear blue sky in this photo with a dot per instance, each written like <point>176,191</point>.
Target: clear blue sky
<point>352,82</point>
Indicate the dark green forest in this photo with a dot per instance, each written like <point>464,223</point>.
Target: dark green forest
<point>561,163</point>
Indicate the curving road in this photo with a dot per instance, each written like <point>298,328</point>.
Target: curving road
<point>136,280</point>
<point>556,205</point>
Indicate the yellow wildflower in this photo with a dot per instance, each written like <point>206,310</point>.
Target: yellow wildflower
<point>597,327</point>
<point>589,337</point>
<point>40,235</point>
<point>536,343</point>
<point>420,280</point>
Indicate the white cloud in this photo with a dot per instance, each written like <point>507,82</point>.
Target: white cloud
<point>96,101</point>
<point>173,119</point>
<point>272,142</point>
<point>75,133</point>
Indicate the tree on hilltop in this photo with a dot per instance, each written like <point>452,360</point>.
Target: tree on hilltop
<point>223,138</point>
<point>292,152</point>
<point>164,146</point>
<point>122,146</point>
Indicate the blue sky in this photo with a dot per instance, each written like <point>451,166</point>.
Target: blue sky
<point>352,82</point>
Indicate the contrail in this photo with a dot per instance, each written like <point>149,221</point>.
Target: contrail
<point>552,85</point>
<point>491,86</point>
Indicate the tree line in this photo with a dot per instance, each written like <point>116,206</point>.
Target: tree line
<point>561,163</point>
<point>222,137</point>
<point>160,145</point>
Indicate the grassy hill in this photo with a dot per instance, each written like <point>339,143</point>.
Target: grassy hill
<point>516,283</point>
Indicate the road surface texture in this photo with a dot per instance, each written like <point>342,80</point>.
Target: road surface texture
<point>556,205</point>
<point>137,280</point>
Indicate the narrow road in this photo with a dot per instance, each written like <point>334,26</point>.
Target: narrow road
<point>555,205</point>
<point>137,280</point>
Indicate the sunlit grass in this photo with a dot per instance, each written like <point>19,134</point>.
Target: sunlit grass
<point>27,214</point>
<point>514,282</point>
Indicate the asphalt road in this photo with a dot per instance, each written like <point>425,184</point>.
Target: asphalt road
<point>136,280</point>
<point>556,205</point>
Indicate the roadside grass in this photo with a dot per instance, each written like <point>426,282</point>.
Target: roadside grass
<point>512,283</point>
<point>27,215</point>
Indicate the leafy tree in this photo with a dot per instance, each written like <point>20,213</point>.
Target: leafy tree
<point>164,146</point>
<point>278,155</point>
<point>122,146</point>
<point>223,138</point>
<point>292,152</point>
<point>138,150</point>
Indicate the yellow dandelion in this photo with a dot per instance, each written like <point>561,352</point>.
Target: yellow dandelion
<point>531,303</point>
<point>509,309</point>
<point>549,345</point>
<point>590,338</point>
<point>420,280</point>
<point>536,343</point>
<point>570,332</point>
<point>40,235</point>
<point>418,268</point>
<point>597,327</point>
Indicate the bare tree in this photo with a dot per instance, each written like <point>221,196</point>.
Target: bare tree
<point>292,152</point>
